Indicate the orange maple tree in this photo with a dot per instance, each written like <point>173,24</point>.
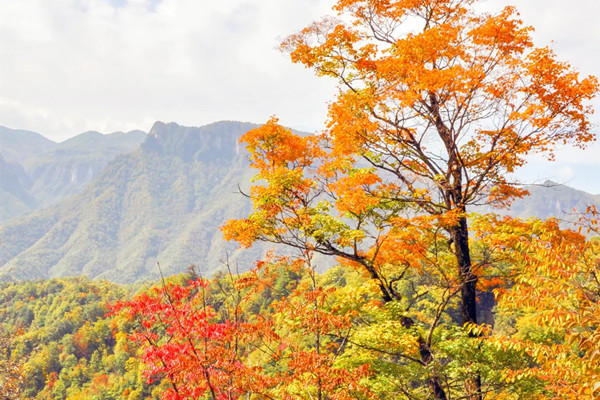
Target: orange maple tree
<point>438,105</point>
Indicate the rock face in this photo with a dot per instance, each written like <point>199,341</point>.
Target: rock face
<point>160,204</point>
<point>49,171</point>
<point>218,141</point>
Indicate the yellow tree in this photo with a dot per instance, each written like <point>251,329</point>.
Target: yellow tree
<point>438,104</point>
<point>555,292</point>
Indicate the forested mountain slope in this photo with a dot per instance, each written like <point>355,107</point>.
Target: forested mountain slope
<point>36,172</point>
<point>59,343</point>
<point>162,203</point>
<point>74,163</point>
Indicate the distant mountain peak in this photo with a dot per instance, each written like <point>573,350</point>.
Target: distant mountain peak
<point>163,202</point>
<point>38,172</point>
<point>85,137</point>
<point>219,140</point>
<point>161,128</point>
<point>91,134</point>
<point>549,183</point>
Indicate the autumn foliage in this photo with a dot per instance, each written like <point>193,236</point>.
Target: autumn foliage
<point>383,284</point>
<point>185,342</point>
<point>232,353</point>
<point>11,372</point>
<point>283,331</point>
<point>438,105</point>
<point>555,290</point>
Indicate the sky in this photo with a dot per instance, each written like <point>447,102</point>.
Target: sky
<point>68,66</point>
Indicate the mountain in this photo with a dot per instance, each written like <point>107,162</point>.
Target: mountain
<point>549,200</point>
<point>162,203</point>
<point>14,189</point>
<point>72,164</point>
<point>553,200</point>
<point>17,145</point>
<point>36,172</point>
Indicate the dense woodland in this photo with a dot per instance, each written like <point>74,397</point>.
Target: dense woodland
<point>284,331</point>
<point>426,300</point>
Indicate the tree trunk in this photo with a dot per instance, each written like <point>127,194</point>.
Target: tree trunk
<point>468,281</point>
<point>460,237</point>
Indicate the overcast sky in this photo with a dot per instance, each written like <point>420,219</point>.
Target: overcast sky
<point>67,66</point>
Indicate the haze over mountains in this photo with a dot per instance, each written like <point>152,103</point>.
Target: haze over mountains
<point>162,202</point>
<point>112,206</point>
<point>36,172</point>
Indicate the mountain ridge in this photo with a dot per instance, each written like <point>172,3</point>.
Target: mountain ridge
<point>17,144</point>
<point>163,203</point>
<point>52,171</point>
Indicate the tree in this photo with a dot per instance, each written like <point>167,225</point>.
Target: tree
<point>554,295</point>
<point>185,343</point>
<point>11,370</point>
<point>438,105</point>
<point>198,353</point>
<point>316,330</point>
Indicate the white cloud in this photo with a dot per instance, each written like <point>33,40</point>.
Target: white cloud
<point>73,65</point>
<point>566,173</point>
<point>98,64</point>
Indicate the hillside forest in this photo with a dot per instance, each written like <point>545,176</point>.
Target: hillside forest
<point>422,298</point>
